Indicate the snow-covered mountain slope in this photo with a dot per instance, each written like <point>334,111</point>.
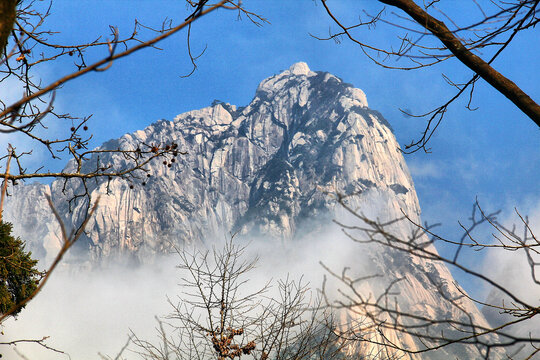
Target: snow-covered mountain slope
<point>271,168</point>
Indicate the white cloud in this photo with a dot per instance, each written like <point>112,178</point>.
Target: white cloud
<point>93,311</point>
<point>425,169</point>
<point>512,271</point>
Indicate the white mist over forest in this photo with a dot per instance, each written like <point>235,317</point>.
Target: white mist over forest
<point>85,312</point>
<point>263,157</point>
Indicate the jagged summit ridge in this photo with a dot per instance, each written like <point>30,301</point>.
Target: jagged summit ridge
<point>269,168</point>
<point>296,72</point>
<point>264,167</point>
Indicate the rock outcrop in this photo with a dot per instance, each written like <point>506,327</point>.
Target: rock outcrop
<point>272,168</point>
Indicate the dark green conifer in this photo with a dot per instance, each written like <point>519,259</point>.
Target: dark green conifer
<point>18,274</point>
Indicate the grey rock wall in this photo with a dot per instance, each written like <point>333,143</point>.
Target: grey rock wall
<point>271,168</point>
<point>265,168</point>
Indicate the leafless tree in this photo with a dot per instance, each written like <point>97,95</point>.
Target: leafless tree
<point>430,33</point>
<point>424,39</point>
<point>388,311</point>
<point>221,315</point>
<point>31,44</point>
<point>27,42</point>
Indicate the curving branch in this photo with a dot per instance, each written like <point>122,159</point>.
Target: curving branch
<point>68,240</point>
<point>387,312</point>
<point>504,85</point>
<point>425,40</point>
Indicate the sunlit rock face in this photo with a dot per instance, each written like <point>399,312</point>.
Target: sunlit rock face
<point>272,169</point>
<point>268,168</point>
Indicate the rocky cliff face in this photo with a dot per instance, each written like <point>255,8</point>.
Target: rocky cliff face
<point>265,168</point>
<point>270,168</point>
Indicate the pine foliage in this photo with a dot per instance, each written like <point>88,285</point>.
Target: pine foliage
<point>18,274</point>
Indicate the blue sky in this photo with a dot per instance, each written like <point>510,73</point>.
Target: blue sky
<point>492,153</point>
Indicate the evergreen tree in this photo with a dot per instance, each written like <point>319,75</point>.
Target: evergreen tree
<point>18,274</point>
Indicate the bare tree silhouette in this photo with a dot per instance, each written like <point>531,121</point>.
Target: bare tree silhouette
<point>424,40</point>
<point>220,315</point>
<point>388,311</point>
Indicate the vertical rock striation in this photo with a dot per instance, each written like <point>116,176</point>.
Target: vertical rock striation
<point>270,168</point>
<point>265,168</point>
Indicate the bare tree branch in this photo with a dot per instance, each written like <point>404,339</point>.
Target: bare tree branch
<point>426,41</point>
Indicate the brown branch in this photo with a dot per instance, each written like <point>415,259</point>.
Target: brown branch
<point>7,19</point>
<point>40,342</point>
<point>103,62</point>
<point>504,85</point>
<point>6,178</point>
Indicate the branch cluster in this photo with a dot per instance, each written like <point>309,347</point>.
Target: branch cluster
<point>428,35</point>
<point>222,316</point>
<point>378,317</point>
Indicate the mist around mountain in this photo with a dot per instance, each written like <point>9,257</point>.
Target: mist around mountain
<point>268,172</point>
